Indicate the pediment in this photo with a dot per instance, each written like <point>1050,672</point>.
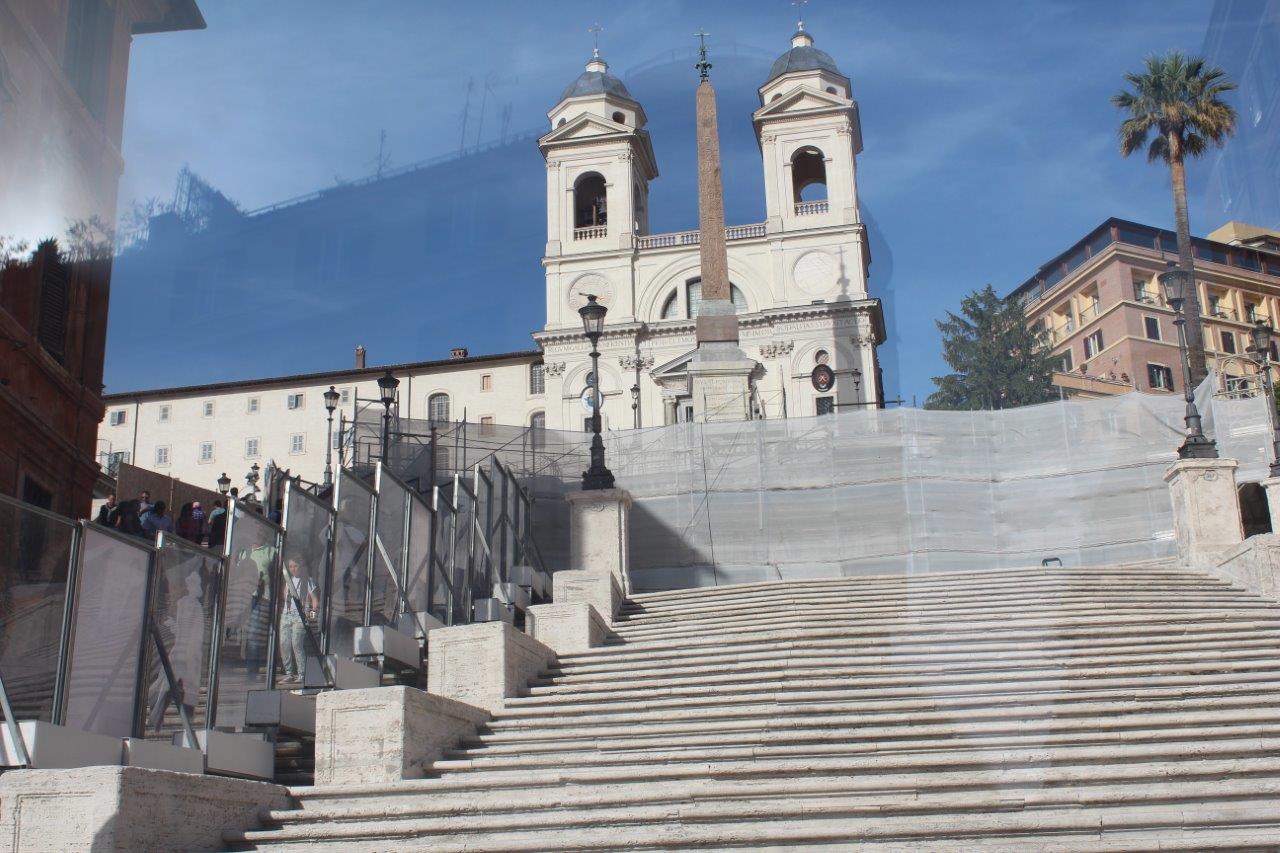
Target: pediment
<point>678,366</point>
<point>584,127</point>
<point>803,99</point>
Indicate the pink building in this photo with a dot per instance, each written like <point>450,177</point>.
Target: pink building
<point>1103,313</point>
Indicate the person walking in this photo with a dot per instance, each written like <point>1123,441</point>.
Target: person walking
<point>144,503</point>
<point>300,601</point>
<point>186,524</point>
<point>156,520</point>
<point>127,519</point>
<point>108,511</point>
<point>197,519</point>
<point>217,526</point>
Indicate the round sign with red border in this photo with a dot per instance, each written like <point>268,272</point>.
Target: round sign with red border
<point>824,378</point>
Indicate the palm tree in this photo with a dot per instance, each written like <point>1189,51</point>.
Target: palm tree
<point>1175,103</point>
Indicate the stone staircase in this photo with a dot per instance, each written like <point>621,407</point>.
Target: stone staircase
<point>1124,708</point>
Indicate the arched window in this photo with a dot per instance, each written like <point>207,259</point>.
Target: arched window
<point>619,118</point>
<point>775,97</point>
<point>562,121</point>
<point>537,378</point>
<point>832,90</point>
<point>538,420</point>
<point>671,309</point>
<point>590,208</point>
<point>809,175</point>
<point>438,407</point>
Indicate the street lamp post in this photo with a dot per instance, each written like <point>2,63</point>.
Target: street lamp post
<point>224,484</point>
<point>331,398</point>
<point>1262,335</point>
<point>387,385</point>
<point>597,476</point>
<point>1176,282</point>
<point>635,406</point>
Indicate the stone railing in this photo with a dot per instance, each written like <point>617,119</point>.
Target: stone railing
<point>691,238</point>
<point>591,232</point>
<point>808,208</point>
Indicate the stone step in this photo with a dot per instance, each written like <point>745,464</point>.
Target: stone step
<point>630,614</point>
<point>411,798</point>
<point>718,672</point>
<point>799,620</point>
<point>749,712</point>
<point>938,678</point>
<point>1008,637</point>
<point>810,820</point>
<point>825,730</point>
<point>1065,624</point>
<point>932,739</point>
<point>765,654</point>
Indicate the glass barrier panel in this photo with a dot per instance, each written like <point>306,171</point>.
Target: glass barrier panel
<point>182,611</point>
<point>483,556</point>
<point>443,591</point>
<point>253,560</point>
<point>35,555</point>
<point>109,624</point>
<point>388,553</point>
<point>418,577</point>
<point>464,581</point>
<point>305,578</point>
<point>354,502</point>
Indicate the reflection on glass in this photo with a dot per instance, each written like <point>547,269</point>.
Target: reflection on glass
<point>35,551</point>
<point>186,588</point>
<point>389,553</point>
<point>464,523</point>
<point>484,558</point>
<point>246,623</point>
<point>305,578</point>
<point>351,555</point>
<point>417,585</point>
<point>442,587</point>
<point>110,618</point>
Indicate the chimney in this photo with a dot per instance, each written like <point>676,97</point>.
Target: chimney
<point>360,352</point>
<point>458,352</point>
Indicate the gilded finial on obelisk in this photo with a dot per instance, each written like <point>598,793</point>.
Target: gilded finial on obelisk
<point>702,65</point>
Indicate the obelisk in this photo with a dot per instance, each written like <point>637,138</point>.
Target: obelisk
<point>720,373</point>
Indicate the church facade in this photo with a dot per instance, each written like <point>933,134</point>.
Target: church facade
<point>799,283</point>
<point>798,279</point>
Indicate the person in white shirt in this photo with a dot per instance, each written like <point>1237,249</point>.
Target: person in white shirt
<point>300,595</point>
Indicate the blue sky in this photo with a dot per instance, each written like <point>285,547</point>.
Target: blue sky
<point>989,138</point>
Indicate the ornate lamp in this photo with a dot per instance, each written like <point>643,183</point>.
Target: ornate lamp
<point>1262,336</point>
<point>1176,284</point>
<point>387,385</point>
<point>597,476</point>
<point>224,484</point>
<point>331,398</point>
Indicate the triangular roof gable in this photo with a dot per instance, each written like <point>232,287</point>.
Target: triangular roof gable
<point>799,100</point>
<point>675,367</point>
<point>585,125</point>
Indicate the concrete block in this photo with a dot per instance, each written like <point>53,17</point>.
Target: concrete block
<point>285,709</point>
<point>484,663</point>
<point>599,532</point>
<point>386,734</point>
<point>492,610</point>
<point>126,809</point>
<point>49,746</point>
<point>419,623</point>
<point>512,594</point>
<point>599,590</point>
<point>1206,510</point>
<point>389,643</point>
<point>240,754</point>
<point>1272,487</point>
<point>158,755</point>
<point>347,674</point>
<point>1253,564</point>
<point>566,628</point>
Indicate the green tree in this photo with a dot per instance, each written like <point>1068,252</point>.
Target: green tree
<point>999,361</point>
<point>1175,112</point>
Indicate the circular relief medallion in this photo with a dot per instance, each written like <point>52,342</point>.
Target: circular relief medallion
<point>823,377</point>
<point>594,284</point>
<point>814,272</point>
<point>588,399</point>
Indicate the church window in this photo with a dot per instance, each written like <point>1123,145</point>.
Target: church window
<point>486,382</point>
<point>775,97</point>
<point>619,118</point>
<point>809,175</point>
<point>562,121</point>
<point>438,407</point>
<point>671,309</point>
<point>538,420</point>
<point>537,378</point>
<point>821,357</point>
<point>832,90</point>
<point>826,405</point>
<point>590,209</point>
<point>591,378</point>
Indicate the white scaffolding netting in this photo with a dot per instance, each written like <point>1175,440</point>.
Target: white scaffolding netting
<point>905,490</point>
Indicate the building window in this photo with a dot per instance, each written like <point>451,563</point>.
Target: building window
<point>206,451</point>
<point>1251,312</point>
<point>1152,325</point>
<point>486,382</point>
<point>1141,292</point>
<point>86,56</point>
<point>586,424</point>
<point>826,405</point>
<point>297,443</point>
<point>590,202</point>
<point>118,417</point>
<point>163,415</point>
<point>486,425</point>
<point>251,448</point>
<point>1066,362</point>
<point>208,408</point>
<point>294,401</point>
<point>1093,344</point>
<point>693,301</point>
<point>162,456</point>
<point>346,396</point>
<point>808,175</point>
<point>253,405</point>
<point>438,407</point>
<point>1160,377</point>
<point>537,378</point>
<point>538,420</point>
<point>1228,341</point>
